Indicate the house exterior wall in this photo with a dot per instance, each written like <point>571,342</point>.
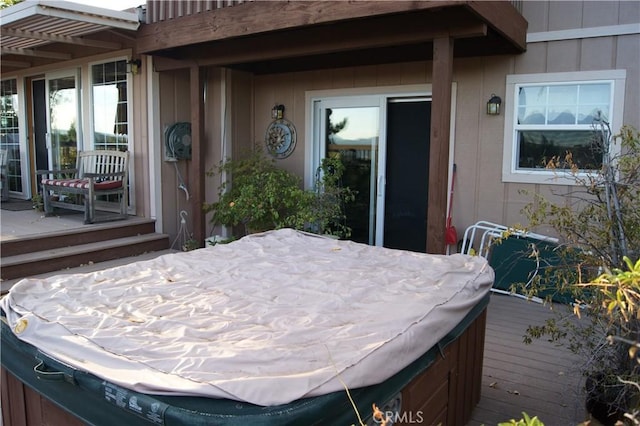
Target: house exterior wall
<point>138,116</point>
<point>479,139</point>
<point>565,37</point>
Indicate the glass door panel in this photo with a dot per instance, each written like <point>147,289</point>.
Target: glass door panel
<point>407,173</point>
<point>352,133</point>
<point>63,120</point>
<point>12,173</point>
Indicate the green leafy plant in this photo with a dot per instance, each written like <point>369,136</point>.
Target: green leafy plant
<point>524,421</point>
<point>38,202</point>
<point>259,196</point>
<point>322,209</point>
<point>190,244</point>
<point>599,226</point>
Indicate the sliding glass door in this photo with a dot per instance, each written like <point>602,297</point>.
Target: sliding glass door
<point>63,132</point>
<point>383,142</point>
<point>350,130</point>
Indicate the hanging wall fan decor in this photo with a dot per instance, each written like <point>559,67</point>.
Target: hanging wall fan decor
<point>177,142</point>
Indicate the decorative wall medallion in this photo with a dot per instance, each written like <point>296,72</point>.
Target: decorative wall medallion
<point>281,138</point>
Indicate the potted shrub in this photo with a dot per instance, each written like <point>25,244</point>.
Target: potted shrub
<point>260,196</point>
<point>600,247</point>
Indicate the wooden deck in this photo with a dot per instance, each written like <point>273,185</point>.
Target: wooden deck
<point>540,379</point>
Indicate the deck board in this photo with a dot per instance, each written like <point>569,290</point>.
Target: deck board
<point>540,379</point>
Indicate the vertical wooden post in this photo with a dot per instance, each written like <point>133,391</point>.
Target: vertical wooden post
<point>439,149</point>
<point>196,177</point>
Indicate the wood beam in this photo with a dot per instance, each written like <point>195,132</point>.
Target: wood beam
<point>505,19</point>
<point>264,16</point>
<point>15,64</point>
<point>342,38</point>
<point>11,32</point>
<point>197,175</point>
<point>36,53</point>
<point>439,148</point>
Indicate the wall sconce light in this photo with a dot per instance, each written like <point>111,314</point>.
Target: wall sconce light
<point>133,66</point>
<point>277,112</point>
<point>493,106</point>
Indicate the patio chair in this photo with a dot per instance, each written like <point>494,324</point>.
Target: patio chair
<point>508,252</point>
<point>97,173</point>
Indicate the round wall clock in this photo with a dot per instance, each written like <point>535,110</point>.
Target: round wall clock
<point>281,138</point>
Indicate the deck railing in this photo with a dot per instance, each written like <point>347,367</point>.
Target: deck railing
<point>162,10</point>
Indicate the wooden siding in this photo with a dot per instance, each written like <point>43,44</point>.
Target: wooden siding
<point>174,107</point>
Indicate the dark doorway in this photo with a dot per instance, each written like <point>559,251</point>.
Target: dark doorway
<point>407,174</point>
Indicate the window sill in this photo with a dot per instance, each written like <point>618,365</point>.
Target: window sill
<point>546,178</point>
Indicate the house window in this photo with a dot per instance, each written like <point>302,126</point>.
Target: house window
<point>552,116</point>
<point>9,132</point>
<point>110,107</point>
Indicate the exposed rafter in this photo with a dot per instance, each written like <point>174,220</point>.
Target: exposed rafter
<point>68,11</point>
<point>57,31</point>
<point>11,32</point>
<point>35,53</point>
<point>15,64</point>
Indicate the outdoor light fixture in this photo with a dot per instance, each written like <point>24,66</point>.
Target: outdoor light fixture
<point>277,112</point>
<point>133,66</point>
<point>493,106</point>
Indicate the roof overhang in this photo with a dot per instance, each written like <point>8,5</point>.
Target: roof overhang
<point>41,32</point>
<point>279,36</point>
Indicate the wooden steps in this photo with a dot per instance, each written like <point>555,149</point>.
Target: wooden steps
<point>37,254</point>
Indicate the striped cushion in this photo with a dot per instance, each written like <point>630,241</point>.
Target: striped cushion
<point>83,183</point>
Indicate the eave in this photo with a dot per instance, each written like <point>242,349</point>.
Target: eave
<point>277,36</point>
<point>38,33</point>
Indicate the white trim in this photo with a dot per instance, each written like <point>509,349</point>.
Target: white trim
<point>78,62</point>
<point>312,96</point>
<point>574,76</point>
<point>132,207</point>
<point>509,174</point>
<point>580,33</point>
<point>154,144</point>
<point>23,143</point>
<point>77,73</point>
<point>71,11</point>
<point>88,119</point>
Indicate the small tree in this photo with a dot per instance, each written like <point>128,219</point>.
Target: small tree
<point>600,233</point>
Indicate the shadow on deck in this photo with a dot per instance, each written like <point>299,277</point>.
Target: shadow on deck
<point>32,244</point>
<point>541,379</point>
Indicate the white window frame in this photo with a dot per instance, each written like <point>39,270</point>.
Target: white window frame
<point>91,109</point>
<point>130,131</point>
<point>510,172</point>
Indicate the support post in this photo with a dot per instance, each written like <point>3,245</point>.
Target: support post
<point>196,177</point>
<point>439,148</point>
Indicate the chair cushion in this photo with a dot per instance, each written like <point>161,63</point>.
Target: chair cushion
<point>83,183</point>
